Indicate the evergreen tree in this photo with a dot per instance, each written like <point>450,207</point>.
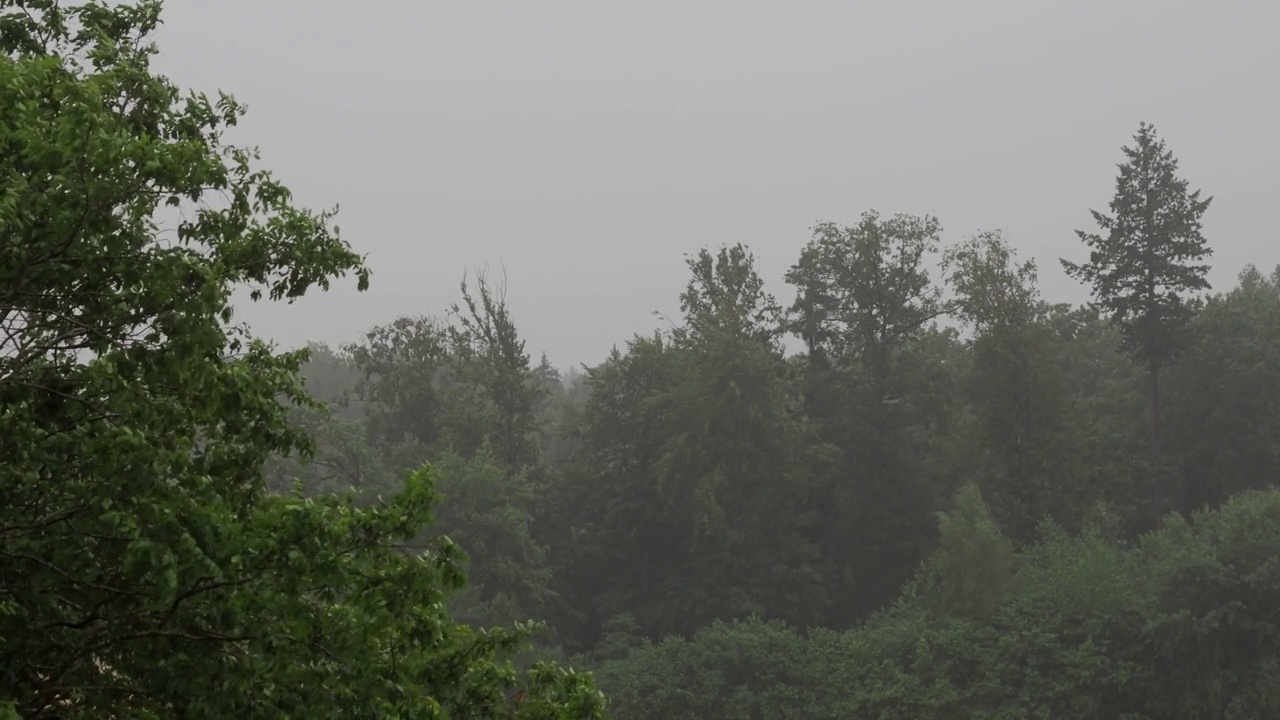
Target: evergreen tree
<point>1148,257</point>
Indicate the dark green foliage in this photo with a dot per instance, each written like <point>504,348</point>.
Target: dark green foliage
<point>1143,268</point>
<point>1213,583</point>
<point>1016,388</point>
<point>1151,253</point>
<point>688,468</point>
<point>486,511</point>
<point>1224,423</point>
<point>1179,627</point>
<point>864,306</point>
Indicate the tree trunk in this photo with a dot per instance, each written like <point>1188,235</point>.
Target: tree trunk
<point>1157,477</point>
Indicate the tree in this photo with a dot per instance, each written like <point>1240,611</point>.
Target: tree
<point>973,567</point>
<point>491,357</point>
<point>1016,392</point>
<point>401,364</point>
<point>735,460</point>
<point>486,511</point>
<point>864,289</point>
<point>619,538</point>
<point>453,385</point>
<point>1150,257</point>
<point>1224,423</point>
<point>145,569</point>
<point>864,299</point>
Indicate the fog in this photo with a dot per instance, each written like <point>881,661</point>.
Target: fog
<point>589,145</point>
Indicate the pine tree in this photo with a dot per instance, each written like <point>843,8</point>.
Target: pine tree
<point>1149,256</point>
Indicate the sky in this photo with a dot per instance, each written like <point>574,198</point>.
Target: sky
<point>588,147</point>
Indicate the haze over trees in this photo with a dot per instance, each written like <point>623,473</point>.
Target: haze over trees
<point>956,499</point>
<point>949,503</point>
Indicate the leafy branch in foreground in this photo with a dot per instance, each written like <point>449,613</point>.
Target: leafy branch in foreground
<point>145,570</point>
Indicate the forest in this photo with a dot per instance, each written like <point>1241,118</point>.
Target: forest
<point>951,498</point>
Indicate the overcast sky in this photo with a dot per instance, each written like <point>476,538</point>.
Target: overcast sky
<point>590,145</point>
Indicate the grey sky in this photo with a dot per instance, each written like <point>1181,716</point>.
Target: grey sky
<point>590,145</point>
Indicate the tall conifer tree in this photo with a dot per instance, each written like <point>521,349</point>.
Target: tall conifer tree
<point>1147,258</point>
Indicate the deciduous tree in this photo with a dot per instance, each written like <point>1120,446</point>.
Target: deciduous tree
<point>145,570</point>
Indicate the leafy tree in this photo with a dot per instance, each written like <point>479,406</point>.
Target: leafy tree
<point>331,376</point>
<point>865,298</point>
<point>1015,387</point>
<point>145,570</point>
<point>691,475</point>
<point>973,567</point>
<point>401,364</point>
<point>621,539</point>
<point>735,461</point>
<point>491,357</point>
<point>1176,626</point>
<point>1223,422</point>
<point>743,669</point>
<point>1212,644</point>
<point>486,511</point>
<point>864,289</point>
<point>453,385</point>
<point>1103,428</point>
<point>1149,258</point>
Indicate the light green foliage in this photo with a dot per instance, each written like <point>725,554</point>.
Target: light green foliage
<point>146,571</point>
<point>973,566</point>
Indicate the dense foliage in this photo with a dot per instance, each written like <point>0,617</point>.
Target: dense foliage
<point>145,570</point>
<point>1178,625</point>
<point>940,507</point>
<point>956,500</point>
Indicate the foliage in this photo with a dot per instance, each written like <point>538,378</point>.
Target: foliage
<point>145,570</point>
<point>486,511</point>
<point>1017,392</point>
<point>1151,257</point>
<point>1223,423</point>
<point>1178,627</point>
<point>1153,251</point>
<point>973,566</point>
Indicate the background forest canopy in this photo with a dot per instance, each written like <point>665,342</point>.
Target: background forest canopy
<point>946,446</point>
